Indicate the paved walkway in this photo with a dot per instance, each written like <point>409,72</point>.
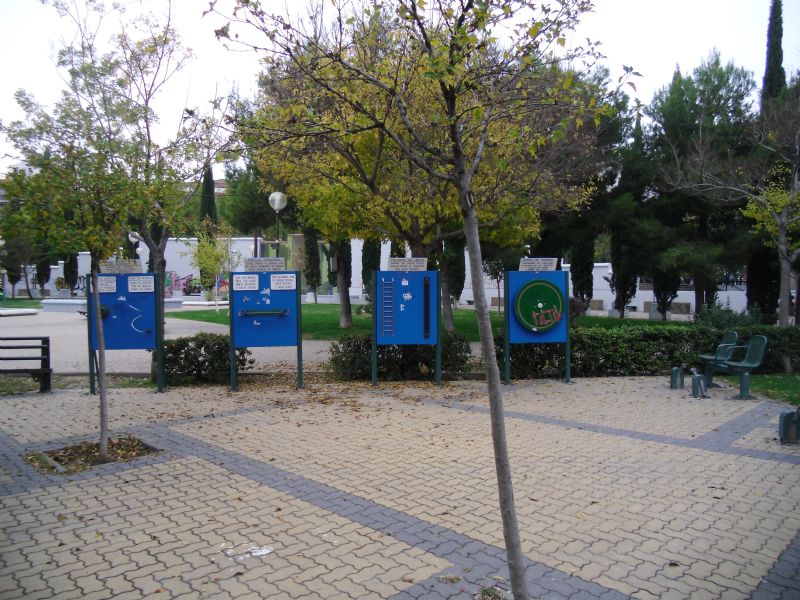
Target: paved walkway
<point>624,488</point>
<point>70,354</point>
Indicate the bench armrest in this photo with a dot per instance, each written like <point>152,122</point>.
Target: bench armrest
<point>733,350</point>
<point>724,352</point>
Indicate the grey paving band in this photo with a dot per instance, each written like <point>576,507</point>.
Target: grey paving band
<point>15,474</point>
<point>783,580</point>
<point>714,441</point>
<point>475,562</point>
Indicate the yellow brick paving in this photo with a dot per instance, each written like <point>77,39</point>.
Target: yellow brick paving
<point>641,518</point>
<point>188,526</point>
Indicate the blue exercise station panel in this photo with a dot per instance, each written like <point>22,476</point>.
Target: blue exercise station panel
<point>538,307</point>
<point>264,309</point>
<point>127,311</point>
<point>407,307</point>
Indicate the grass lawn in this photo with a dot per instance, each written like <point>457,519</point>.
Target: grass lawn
<point>20,303</point>
<point>611,322</point>
<point>778,386</point>
<point>321,321</point>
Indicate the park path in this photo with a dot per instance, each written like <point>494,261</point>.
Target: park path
<point>624,489</point>
<point>70,354</point>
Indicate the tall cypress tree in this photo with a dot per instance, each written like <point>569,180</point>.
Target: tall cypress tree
<point>774,76</point>
<point>208,205</point>
<point>71,271</point>
<point>370,261</point>
<point>582,265</point>
<point>397,249</point>
<point>763,269</point>
<point>311,268</point>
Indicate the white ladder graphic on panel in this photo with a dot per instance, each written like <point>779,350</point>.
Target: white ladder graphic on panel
<point>387,307</point>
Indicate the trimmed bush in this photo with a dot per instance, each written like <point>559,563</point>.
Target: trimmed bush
<point>781,342</point>
<point>632,351</point>
<point>351,358</point>
<point>204,357</point>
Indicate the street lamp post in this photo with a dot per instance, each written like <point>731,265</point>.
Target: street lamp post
<point>277,200</point>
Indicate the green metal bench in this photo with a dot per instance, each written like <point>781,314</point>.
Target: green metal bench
<point>754,354</point>
<point>41,345</point>
<point>728,341</point>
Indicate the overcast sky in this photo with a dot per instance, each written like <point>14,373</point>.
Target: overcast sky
<point>653,36</point>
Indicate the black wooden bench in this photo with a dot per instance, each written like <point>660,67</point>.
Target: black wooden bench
<point>23,349</point>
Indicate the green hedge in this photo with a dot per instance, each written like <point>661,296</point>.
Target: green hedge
<point>640,350</point>
<point>351,358</point>
<point>202,358</point>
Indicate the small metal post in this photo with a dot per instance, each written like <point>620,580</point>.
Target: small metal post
<point>299,335</point>
<point>698,386</point>
<point>437,376</point>
<point>277,242</point>
<point>567,346</point>
<point>44,382</point>
<point>676,378</point>
<point>506,334</point>
<point>160,366</point>
<point>709,373</point>
<point>89,317</point>
<point>374,328</point>
<point>233,366</point>
<point>744,386</point>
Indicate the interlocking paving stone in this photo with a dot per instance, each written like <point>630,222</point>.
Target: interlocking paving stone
<point>391,493</point>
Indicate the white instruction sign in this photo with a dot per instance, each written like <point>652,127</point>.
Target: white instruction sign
<point>538,264</point>
<point>408,264</point>
<point>265,264</point>
<point>283,281</point>
<point>245,283</point>
<point>107,285</point>
<point>141,283</point>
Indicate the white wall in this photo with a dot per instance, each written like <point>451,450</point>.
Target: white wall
<point>601,290</point>
<point>179,261</point>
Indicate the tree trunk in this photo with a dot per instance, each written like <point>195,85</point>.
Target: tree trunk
<point>345,311</point>
<point>516,560</point>
<point>444,273</point>
<point>447,305</point>
<point>699,294</point>
<point>101,362</point>
<point>27,282</point>
<point>783,306</point>
<point>784,296</point>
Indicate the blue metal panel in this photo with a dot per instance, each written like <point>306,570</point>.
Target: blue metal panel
<point>264,309</point>
<point>128,310</point>
<point>518,332</point>
<point>407,307</point>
